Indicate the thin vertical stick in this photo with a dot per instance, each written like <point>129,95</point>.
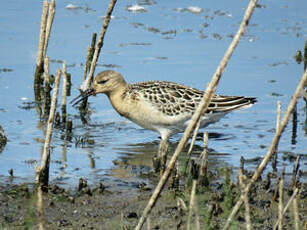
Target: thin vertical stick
<point>246,203</point>
<point>194,138</point>
<point>88,51</point>
<point>51,13</point>
<point>287,206</point>
<point>89,56</point>
<point>281,198</point>
<point>270,151</point>
<point>47,87</point>
<point>274,162</point>
<point>197,219</point>
<point>295,170</point>
<point>46,71</point>
<point>64,93</point>
<point>42,177</point>
<point>39,206</point>
<point>203,106</point>
<point>294,126</point>
<point>42,37</point>
<point>192,201</point>
<point>148,224</point>
<point>278,115</point>
<point>100,43</point>
<point>295,214</point>
<point>203,179</point>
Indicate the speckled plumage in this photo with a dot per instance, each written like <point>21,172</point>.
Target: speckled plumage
<point>162,106</point>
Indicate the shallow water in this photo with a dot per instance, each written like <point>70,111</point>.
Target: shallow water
<point>166,42</point>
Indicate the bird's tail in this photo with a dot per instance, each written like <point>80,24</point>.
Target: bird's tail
<point>229,103</point>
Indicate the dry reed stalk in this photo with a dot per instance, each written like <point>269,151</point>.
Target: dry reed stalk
<point>192,203</point>
<point>293,183</point>
<point>203,106</point>
<point>181,204</point>
<point>295,214</point>
<point>148,224</point>
<point>287,206</point>
<point>107,19</point>
<point>46,71</point>
<point>193,138</point>
<point>197,219</point>
<point>204,154</point>
<point>89,56</point>
<point>270,151</point>
<point>246,203</point>
<point>278,115</point>
<point>64,93</point>
<point>88,51</point>
<point>39,206</point>
<point>47,87</point>
<point>281,198</point>
<point>203,179</point>
<point>42,176</point>
<point>274,162</point>
<point>50,18</point>
<point>42,37</point>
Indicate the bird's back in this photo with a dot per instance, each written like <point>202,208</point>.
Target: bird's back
<point>174,99</point>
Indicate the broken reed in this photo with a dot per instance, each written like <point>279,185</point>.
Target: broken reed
<point>48,12</point>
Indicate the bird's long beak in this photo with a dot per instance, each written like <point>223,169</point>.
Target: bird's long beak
<point>83,96</point>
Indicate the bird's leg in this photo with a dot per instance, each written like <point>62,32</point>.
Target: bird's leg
<point>159,161</point>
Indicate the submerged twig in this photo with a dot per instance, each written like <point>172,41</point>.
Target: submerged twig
<point>203,106</point>
<point>270,151</point>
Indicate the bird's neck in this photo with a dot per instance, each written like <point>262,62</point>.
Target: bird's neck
<point>117,98</point>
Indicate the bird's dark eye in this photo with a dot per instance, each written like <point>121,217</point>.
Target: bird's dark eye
<point>102,82</point>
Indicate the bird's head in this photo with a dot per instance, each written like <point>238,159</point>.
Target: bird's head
<point>105,82</point>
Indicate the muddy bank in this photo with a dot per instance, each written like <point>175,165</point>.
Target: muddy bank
<point>119,208</point>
